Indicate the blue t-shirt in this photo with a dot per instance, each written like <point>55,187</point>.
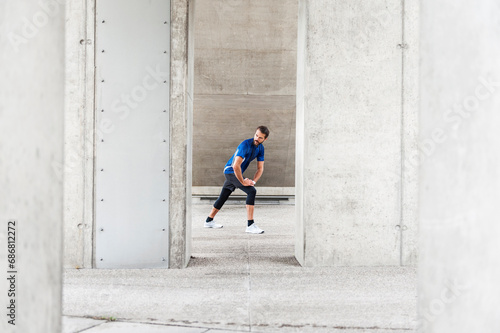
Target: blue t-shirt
<point>249,152</point>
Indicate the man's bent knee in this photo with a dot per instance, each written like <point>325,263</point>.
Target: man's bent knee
<point>225,193</point>
<point>251,196</point>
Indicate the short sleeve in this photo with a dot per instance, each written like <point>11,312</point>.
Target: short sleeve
<point>260,157</point>
<point>241,150</point>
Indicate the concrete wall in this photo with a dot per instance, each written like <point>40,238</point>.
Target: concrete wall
<point>357,98</point>
<point>356,107</point>
<point>181,86</point>
<point>31,154</point>
<point>245,67</point>
<point>459,266</point>
<point>79,136</point>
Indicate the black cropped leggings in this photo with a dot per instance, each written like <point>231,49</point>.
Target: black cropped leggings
<point>229,186</point>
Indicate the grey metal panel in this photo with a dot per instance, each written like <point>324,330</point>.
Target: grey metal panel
<point>132,133</point>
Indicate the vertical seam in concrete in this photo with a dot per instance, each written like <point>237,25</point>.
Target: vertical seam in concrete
<point>94,14</point>
<point>171,258</point>
<point>302,183</point>
<point>402,133</point>
<point>84,99</point>
<point>287,166</point>
<point>182,259</point>
<point>170,118</point>
<point>189,124</point>
<point>185,258</point>
<point>178,112</point>
<point>249,286</point>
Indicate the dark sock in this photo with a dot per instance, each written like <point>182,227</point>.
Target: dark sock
<point>209,219</point>
<point>250,222</point>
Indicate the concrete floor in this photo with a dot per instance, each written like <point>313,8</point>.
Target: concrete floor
<point>241,282</point>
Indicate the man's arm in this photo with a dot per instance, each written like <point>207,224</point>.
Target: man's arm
<point>237,171</point>
<point>260,170</point>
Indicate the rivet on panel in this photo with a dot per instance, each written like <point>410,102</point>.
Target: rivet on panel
<point>164,170</point>
<point>164,110</point>
<point>103,21</point>
<point>164,81</point>
<point>102,80</point>
<point>163,199</point>
<point>102,229</point>
<point>102,51</point>
<point>164,51</point>
<point>162,229</point>
<point>102,259</point>
<point>163,259</point>
<point>102,199</point>
<point>102,110</point>
<point>164,140</point>
<point>102,169</point>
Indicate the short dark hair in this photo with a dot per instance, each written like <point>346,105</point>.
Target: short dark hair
<point>264,130</point>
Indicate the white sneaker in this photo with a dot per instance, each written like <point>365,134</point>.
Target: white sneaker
<point>212,224</point>
<point>253,229</point>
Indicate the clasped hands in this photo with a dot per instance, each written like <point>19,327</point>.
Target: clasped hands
<point>248,182</point>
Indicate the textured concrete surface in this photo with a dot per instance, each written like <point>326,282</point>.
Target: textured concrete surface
<point>460,184</point>
<point>267,191</point>
<point>245,68</point>
<point>221,122</point>
<point>180,138</point>
<point>350,142</point>
<point>245,47</point>
<point>78,324</point>
<point>409,127</point>
<point>241,282</point>
<point>79,139</point>
<point>31,155</point>
<point>370,189</point>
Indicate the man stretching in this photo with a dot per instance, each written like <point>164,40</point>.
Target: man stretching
<point>246,152</point>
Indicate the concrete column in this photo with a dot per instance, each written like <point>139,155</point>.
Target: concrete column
<point>356,107</point>
<point>181,122</point>
<point>459,266</point>
<point>31,148</point>
<point>79,134</point>
<point>78,162</point>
